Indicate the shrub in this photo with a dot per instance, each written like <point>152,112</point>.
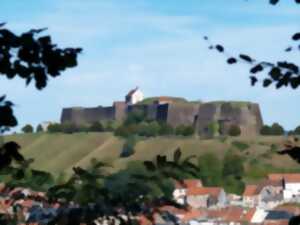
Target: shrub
<point>96,127</point>
<point>69,128</point>
<point>274,148</point>
<point>240,145</point>
<point>234,130</point>
<point>54,128</point>
<point>214,128</point>
<point>166,129</point>
<point>27,128</point>
<point>184,130</point>
<point>275,129</point>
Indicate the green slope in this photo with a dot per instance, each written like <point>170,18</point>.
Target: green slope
<point>60,152</point>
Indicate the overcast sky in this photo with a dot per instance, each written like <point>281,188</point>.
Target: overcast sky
<point>158,46</point>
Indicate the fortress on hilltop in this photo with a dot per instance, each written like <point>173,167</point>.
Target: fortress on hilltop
<point>175,112</point>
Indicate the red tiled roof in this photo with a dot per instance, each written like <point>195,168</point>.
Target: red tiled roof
<point>189,183</point>
<point>214,191</point>
<point>193,214</point>
<point>288,177</point>
<point>229,214</point>
<point>250,190</point>
<point>249,215</point>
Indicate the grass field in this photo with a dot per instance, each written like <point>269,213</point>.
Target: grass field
<point>60,152</point>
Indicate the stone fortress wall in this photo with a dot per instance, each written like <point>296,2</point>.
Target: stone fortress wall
<point>246,115</point>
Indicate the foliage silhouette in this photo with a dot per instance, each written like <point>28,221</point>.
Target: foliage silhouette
<point>31,57</point>
<point>280,73</point>
<point>98,194</point>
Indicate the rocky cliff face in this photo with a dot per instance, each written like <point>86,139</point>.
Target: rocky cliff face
<point>246,115</point>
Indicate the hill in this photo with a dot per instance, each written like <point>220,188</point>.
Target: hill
<point>60,152</point>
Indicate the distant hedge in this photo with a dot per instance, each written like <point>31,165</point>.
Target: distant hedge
<point>275,129</point>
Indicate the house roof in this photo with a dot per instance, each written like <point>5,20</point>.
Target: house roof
<point>213,191</point>
<point>250,190</point>
<point>193,214</point>
<point>253,190</point>
<point>189,183</point>
<point>249,215</point>
<point>288,177</point>
<point>229,214</point>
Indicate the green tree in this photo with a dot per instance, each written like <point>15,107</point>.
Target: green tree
<point>210,169</point>
<point>233,172</point>
<point>166,129</point>
<point>277,129</point>
<point>214,128</point>
<point>184,130</point>
<point>39,128</point>
<point>128,147</point>
<point>234,130</point>
<point>233,165</point>
<point>27,128</point>
<point>297,130</point>
<point>266,130</point>
<point>55,128</point>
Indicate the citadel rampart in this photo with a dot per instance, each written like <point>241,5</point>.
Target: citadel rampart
<point>200,115</point>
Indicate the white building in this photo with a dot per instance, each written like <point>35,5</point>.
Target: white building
<point>291,184</point>
<point>134,96</point>
<point>180,191</point>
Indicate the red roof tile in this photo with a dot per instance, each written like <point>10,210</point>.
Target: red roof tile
<point>189,183</point>
<point>249,215</point>
<point>214,191</point>
<point>229,214</point>
<point>250,190</point>
<point>193,214</point>
<point>288,177</point>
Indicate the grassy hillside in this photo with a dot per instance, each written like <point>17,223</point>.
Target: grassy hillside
<point>60,152</point>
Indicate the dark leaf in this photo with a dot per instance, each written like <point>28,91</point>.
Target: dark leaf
<point>267,82</point>
<point>288,49</point>
<point>246,58</point>
<point>253,80</point>
<point>275,73</point>
<point>296,37</point>
<point>274,2</point>
<point>220,48</point>
<point>2,98</point>
<point>257,68</point>
<point>231,60</point>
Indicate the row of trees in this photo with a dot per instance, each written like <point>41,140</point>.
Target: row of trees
<point>274,129</point>
<point>277,129</point>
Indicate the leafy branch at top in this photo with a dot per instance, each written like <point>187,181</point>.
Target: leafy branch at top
<point>280,73</point>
